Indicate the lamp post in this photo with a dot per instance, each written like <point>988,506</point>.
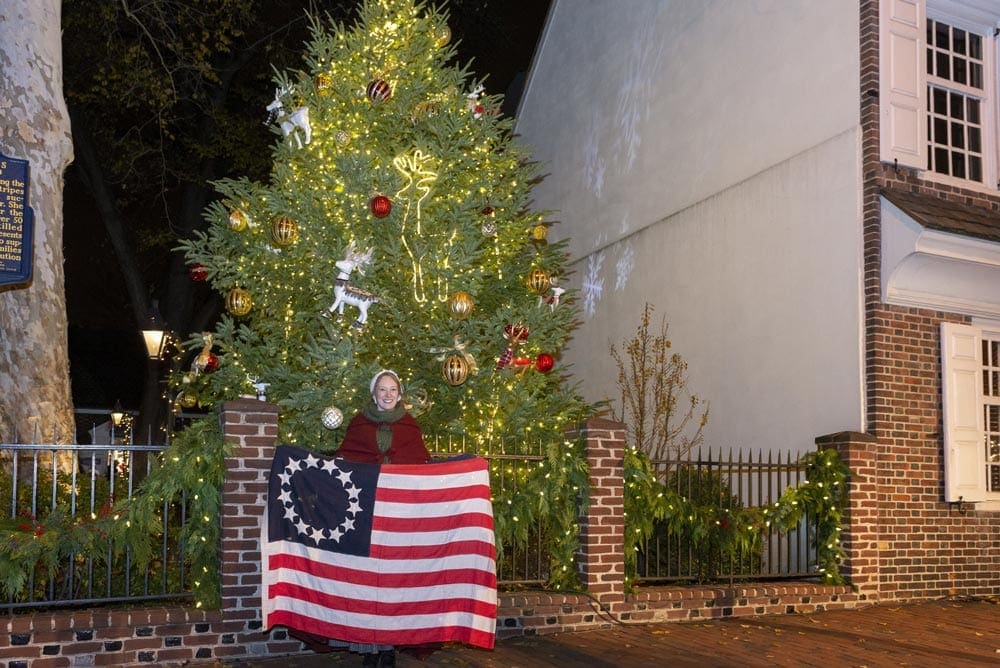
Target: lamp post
<point>154,334</point>
<point>156,338</point>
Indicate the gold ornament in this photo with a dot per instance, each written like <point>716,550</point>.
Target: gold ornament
<point>284,231</point>
<point>425,109</point>
<point>331,417</point>
<point>460,304</point>
<point>343,137</point>
<point>323,83</point>
<point>237,220</point>
<point>186,400</point>
<point>539,232</point>
<point>538,281</point>
<point>454,369</point>
<point>238,302</point>
<point>442,35</point>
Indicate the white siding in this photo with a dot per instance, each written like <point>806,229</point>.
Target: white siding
<point>708,153</point>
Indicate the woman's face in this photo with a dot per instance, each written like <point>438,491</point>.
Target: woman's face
<point>386,392</point>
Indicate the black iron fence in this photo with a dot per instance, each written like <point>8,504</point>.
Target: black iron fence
<point>732,482</point>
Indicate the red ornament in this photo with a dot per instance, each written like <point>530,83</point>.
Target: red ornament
<point>378,91</point>
<point>212,363</point>
<point>197,272</point>
<point>380,206</point>
<point>544,362</point>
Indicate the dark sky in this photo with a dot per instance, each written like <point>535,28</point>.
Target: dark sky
<point>106,353</point>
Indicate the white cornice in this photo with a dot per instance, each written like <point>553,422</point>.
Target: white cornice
<point>935,270</point>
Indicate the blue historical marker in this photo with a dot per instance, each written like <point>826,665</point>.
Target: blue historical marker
<point>17,222</point>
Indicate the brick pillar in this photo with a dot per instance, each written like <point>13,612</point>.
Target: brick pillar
<point>859,536</point>
<point>251,427</point>
<point>601,560</point>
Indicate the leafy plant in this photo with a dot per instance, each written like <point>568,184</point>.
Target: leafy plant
<point>662,417</point>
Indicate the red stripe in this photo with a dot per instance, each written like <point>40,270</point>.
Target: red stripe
<point>402,495</point>
<point>452,549</point>
<point>384,580</point>
<point>439,468</point>
<point>424,524</point>
<point>415,636</point>
<point>382,609</point>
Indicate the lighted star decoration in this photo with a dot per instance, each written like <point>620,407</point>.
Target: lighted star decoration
<point>593,283</point>
<point>305,529</point>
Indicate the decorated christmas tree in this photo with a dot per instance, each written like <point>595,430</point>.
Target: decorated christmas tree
<point>395,232</point>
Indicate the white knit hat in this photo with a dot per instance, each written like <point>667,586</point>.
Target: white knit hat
<point>384,372</point>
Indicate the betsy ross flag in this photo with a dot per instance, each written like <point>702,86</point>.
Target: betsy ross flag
<point>397,554</point>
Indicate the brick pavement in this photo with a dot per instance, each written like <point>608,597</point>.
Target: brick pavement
<point>938,634</point>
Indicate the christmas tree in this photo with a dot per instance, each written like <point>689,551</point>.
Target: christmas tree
<point>395,232</point>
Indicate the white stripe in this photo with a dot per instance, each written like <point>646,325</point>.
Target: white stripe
<point>372,592</point>
<point>439,509</point>
<point>432,537</point>
<point>387,623</point>
<point>373,565</point>
<point>436,481</point>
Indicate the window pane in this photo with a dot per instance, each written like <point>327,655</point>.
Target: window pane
<point>958,41</point>
<point>940,102</point>
<point>940,135</point>
<point>957,135</point>
<point>957,106</point>
<point>975,169</point>
<point>941,160</point>
<point>975,140</point>
<point>960,75</point>
<point>943,64</point>
<point>975,75</point>
<point>975,46</point>
<point>958,165</point>
<point>973,109</point>
<point>941,35</point>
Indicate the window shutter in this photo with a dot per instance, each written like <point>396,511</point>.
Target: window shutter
<point>902,92</point>
<point>962,403</point>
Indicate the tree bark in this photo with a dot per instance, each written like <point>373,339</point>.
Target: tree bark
<point>35,397</point>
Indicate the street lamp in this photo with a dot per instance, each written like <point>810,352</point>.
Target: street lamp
<point>117,414</point>
<point>154,333</point>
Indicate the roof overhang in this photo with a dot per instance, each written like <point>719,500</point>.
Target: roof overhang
<point>938,269</point>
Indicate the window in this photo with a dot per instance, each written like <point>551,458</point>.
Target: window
<point>970,393</point>
<point>955,91</point>
<point>991,409</point>
<point>937,91</point>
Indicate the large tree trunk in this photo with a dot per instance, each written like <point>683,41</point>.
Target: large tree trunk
<point>35,397</point>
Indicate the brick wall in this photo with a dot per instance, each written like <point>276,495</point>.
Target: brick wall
<point>915,546</point>
<point>178,635</point>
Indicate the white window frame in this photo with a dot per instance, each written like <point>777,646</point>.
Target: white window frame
<point>963,407</point>
<point>904,80</point>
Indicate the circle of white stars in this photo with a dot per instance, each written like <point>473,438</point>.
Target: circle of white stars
<point>295,465</point>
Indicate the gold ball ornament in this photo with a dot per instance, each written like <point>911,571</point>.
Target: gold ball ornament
<point>284,231</point>
<point>343,137</point>
<point>237,220</point>
<point>538,281</point>
<point>186,400</point>
<point>238,302</point>
<point>454,369</point>
<point>442,35</point>
<point>460,305</point>
<point>539,232</point>
<point>323,83</point>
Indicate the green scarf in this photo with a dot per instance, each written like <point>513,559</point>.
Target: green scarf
<point>384,420</point>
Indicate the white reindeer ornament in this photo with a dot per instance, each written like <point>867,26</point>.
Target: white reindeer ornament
<point>347,294</point>
<point>292,123</point>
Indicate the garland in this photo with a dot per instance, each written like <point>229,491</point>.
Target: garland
<point>823,495</point>
<point>548,496</point>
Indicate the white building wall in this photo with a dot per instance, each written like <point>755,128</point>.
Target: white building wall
<point>702,156</point>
